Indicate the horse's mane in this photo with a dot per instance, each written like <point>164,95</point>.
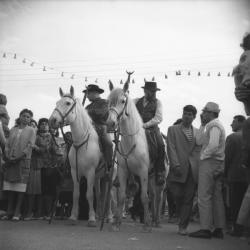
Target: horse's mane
<point>81,110</point>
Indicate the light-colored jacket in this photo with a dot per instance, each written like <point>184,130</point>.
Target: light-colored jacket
<point>212,140</point>
<point>182,152</point>
<point>23,145</point>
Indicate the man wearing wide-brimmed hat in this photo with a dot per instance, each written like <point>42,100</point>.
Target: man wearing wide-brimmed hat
<point>98,111</point>
<point>150,109</point>
<point>210,201</point>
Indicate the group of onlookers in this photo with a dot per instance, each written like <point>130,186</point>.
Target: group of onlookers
<point>34,164</point>
<point>204,161</point>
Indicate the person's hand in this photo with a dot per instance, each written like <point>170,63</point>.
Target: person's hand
<point>203,121</point>
<point>177,171</point>
<point>14,160</point>
<point>242,93</point>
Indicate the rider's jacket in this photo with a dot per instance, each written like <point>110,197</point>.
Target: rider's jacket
<point>98,111</point>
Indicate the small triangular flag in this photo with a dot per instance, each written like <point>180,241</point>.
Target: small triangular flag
<point>199,73</point>
<point>14,56</point>
<point>44,68</point>
<point>86,79</point>
<point>72,77</point>
<point>4,54</point>
<point>121,82</point>
<point>228,74</point>
<point>189,73</point>
<point>32,64</point>
<point>153,78</point>
<point>96,80</point>
<point>24,60</point>
<point>62,74</point>
<point>166,77</point>
<point>208,74</point>
<point>218,74</point>
<point>133,81</point>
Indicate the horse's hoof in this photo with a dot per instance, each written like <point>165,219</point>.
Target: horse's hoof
<point>72,221</point>
<point>115,228</point>
<point>146,229</point>
<point>91,223</point>
<point>109,220</point>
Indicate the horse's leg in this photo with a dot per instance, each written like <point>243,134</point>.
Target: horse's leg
<point>110,202</point>
<point>122,175</point>
<point>158,200</point>
<point>76,194</point>
<point>152,198</point>
<point>90,197</point>
<point>98,197</point>
<point>145,200</point>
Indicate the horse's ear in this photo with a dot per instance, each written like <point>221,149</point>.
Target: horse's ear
<point>111,86</point>
<point>61,92</point>
<point>126,85</point>
<point>72,91</point>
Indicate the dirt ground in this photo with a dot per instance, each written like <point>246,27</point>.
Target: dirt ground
<point>38,235</point>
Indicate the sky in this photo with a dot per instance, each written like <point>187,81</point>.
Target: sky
<point>94,41</point>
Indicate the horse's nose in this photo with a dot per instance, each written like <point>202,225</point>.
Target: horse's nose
<point>113,124</point>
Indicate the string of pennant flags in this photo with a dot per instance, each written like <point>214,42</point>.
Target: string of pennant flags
<point>73,75</point>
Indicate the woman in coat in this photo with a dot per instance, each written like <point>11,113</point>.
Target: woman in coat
<point>18,151</point>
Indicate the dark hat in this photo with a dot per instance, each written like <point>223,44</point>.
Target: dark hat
<point>152,86</point>
<point>41,120</point>
<point>93,88</point>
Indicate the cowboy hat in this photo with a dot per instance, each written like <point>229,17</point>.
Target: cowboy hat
<point>93,88</point>
<point>152,86</point>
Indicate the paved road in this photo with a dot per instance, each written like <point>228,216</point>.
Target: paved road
<point>60,235</point>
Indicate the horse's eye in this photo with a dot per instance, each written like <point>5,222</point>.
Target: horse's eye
<point>123,101</point>
<point>68,103</point>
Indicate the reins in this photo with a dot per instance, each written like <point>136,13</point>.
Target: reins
<point>76,147</point>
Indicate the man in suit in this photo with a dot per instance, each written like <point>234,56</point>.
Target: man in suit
<point>183,158</point>
<point>235,175</point>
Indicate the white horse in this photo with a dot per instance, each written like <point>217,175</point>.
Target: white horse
<point>85,155</point>
<point>133,156</point>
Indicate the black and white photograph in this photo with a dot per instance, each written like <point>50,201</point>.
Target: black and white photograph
<point>124,124</point>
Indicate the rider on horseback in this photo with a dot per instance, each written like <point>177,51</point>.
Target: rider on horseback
<point>150,109</point>
<point>98,111</point>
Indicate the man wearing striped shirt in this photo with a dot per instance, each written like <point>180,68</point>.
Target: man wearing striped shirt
<point>183,156</point>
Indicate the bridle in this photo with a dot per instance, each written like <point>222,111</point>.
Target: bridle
<point>63,116</point>
<point>86,135</point>
<point>119,115</point>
